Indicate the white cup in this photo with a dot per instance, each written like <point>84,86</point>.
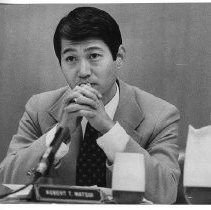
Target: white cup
<point>128,179</point>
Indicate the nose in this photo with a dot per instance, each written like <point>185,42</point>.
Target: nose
<point>84,69</point>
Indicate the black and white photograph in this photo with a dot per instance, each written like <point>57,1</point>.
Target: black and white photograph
<point>105,103</point>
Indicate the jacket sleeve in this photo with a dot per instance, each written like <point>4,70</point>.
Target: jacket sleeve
<point>161,157</point>
<point>25,149</point>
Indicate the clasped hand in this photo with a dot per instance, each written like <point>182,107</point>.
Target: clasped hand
<point>85,101</point>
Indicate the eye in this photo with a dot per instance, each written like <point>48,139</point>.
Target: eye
<point>95,56</point>
<point>70,59</point>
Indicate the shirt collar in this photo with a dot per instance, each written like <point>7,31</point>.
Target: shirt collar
<point>110,108</point>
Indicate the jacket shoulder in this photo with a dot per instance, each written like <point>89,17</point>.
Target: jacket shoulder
<point>46,99</point>
<point>150,103</point>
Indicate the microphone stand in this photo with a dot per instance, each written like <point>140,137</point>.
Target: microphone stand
<point>47,160</point>
<point>41,175</point>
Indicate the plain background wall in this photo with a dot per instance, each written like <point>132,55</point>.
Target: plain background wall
<point>168,54</point>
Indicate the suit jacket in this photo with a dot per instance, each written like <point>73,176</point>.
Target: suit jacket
<point>152,124</point>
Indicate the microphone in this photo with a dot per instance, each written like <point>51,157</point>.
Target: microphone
<point>47,160</point>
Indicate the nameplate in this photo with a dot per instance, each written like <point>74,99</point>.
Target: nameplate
<point>67,194</point>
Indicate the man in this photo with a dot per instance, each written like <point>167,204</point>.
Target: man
<point>115,116</point>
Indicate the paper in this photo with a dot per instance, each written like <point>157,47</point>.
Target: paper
<point>197,165</point>
<point>23,193</point>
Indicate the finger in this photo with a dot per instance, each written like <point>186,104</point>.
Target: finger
<point>84,113</point>
<point>71,98</point>
<point>72,108</point>
<point>87,94</point>
<point>86,101</point>
<point>88,87</point>
<point>87,113</point>
<point>89,91</point>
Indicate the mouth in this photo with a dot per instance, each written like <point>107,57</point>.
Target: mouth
<point>82,84</point>
<point>86,83</point>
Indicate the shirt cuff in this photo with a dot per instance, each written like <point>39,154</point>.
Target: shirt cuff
<point>115,140</point>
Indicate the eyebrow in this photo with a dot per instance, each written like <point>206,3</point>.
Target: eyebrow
<point>86,49</point>
<point>93,48</point>
<point>68,50</point>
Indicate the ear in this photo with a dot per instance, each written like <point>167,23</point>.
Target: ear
<point>120,58</point>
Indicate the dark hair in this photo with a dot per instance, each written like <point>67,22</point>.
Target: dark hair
<point>84,23</point>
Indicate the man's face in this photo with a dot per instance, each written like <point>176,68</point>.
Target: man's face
<point>89,61</point>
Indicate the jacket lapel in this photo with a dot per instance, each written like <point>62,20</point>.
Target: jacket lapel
<point>129,113</point>
<point>55,110</point>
